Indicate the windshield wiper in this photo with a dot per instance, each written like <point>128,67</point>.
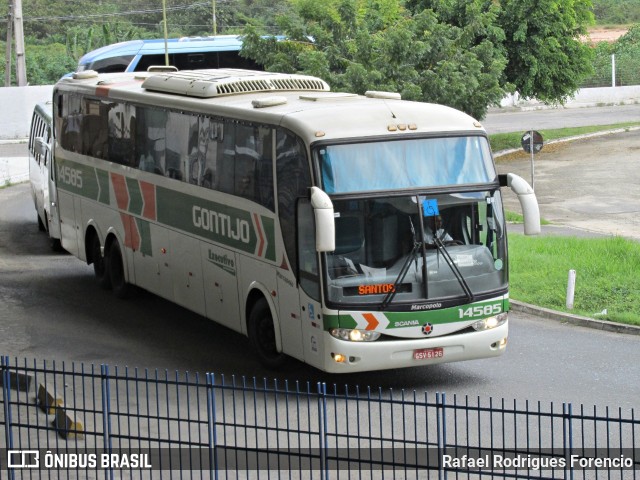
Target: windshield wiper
<point>400,278</point>
<point>454,268</point>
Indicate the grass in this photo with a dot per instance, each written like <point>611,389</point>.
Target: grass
<point>513,217</point>
<point>505,141</point>
<point>607,270</point>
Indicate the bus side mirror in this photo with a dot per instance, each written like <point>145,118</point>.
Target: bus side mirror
<point>528,201</point>
<point>325,222</point>
<point>40,146</point>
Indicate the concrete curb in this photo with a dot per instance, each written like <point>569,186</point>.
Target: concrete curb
<point>574,319</point>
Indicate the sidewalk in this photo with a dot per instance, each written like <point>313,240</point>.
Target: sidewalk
<point>14,162</point>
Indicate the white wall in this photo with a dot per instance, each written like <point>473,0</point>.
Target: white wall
<point>16,107</point>
<point>585,97</point>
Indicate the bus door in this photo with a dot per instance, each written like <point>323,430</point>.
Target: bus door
<point>51,198</point>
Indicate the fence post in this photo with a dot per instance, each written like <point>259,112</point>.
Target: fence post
<point>6,402</point>
<point>106,416</point>
<point>211,419</point>
<point>613,71</point>
<point>567,435</point>
<point>323,426</point>
<point>441,427</point>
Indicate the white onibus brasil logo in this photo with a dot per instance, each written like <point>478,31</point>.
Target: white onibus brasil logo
<point>221,224</point>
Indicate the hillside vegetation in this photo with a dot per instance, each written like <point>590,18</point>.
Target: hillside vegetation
<point>616,12</point>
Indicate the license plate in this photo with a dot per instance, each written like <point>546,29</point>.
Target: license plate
<point>428,353</point>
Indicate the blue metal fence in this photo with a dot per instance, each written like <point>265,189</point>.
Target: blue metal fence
<point>77,421</point>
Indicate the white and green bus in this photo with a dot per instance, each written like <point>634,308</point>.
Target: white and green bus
<point>350,232</point>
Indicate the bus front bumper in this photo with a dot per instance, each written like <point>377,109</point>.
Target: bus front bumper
<point>347,357</point>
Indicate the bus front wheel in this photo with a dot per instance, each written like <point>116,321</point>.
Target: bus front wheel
<point>263,337</point>
<point>120,287</point>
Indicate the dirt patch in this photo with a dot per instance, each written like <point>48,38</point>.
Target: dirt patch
<point>604,35</point>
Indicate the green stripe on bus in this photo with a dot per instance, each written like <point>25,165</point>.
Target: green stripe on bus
<point>135,196</point>
<point>144,228</point>
<point>103,184</point>
<point>461,313</point>
<point>217,222</point>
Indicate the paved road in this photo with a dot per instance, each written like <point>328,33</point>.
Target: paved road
<point>592,185</point>
<point>508,120</point>
<point>52,309</point>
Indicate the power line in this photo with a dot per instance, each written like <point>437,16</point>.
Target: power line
<point>118,14</point>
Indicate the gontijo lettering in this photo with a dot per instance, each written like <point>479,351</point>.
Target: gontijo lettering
<point>221,224</point>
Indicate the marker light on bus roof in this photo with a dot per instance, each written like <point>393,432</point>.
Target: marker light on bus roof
<point>268,102</point>
<point>383,95</point>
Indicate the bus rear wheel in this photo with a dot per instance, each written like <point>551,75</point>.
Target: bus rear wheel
<point>262,335</point>
<point>99,263</point>
<point>115,268</point>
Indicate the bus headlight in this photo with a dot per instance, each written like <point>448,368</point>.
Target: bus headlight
<point>354,335</point>
<point>490,322</point>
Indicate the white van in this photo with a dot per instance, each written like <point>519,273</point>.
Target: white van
<point>42,173</point>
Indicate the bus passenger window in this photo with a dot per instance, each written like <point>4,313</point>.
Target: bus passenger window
<point>71,123</point>
<point>178,127</point>
<point>246,162</point>
<point>202,163</point>
<point>264,171</point>
<point>151,144</point>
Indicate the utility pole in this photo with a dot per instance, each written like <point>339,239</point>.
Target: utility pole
<point>21,64</point>
<point>213,18</point>
<point>7,71</point>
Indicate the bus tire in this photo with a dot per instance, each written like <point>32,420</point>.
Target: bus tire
<point>100,266</point>
<point>56,245</point>
<point>115,268</point>
<point>262,335</point>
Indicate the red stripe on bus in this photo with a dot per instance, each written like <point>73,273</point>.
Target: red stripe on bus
<point>120,189</point>
<point>131,235</point>
<point>260,234</point>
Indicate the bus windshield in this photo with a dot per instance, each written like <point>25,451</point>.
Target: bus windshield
<point>417,248</point>
<point>403,164</point>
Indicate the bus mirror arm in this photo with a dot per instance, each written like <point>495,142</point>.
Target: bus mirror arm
<point>528,202</point>
<point>325,222</point>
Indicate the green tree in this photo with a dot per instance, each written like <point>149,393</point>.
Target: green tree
<point>463,53</point>
<point>360,45</point>
<point>46,64</point>
<point>546,58</point>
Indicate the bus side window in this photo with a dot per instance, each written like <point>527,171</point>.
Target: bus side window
<point>151,143</point>
<point>265,168</point>
<point>226,156</point>
<point>178,127</point>
<point>122,128</point>
<point>246,162</point>
<point>70,138</point>
<point>202,163</point>
<point>309,272</point>
<point>293,180</point>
